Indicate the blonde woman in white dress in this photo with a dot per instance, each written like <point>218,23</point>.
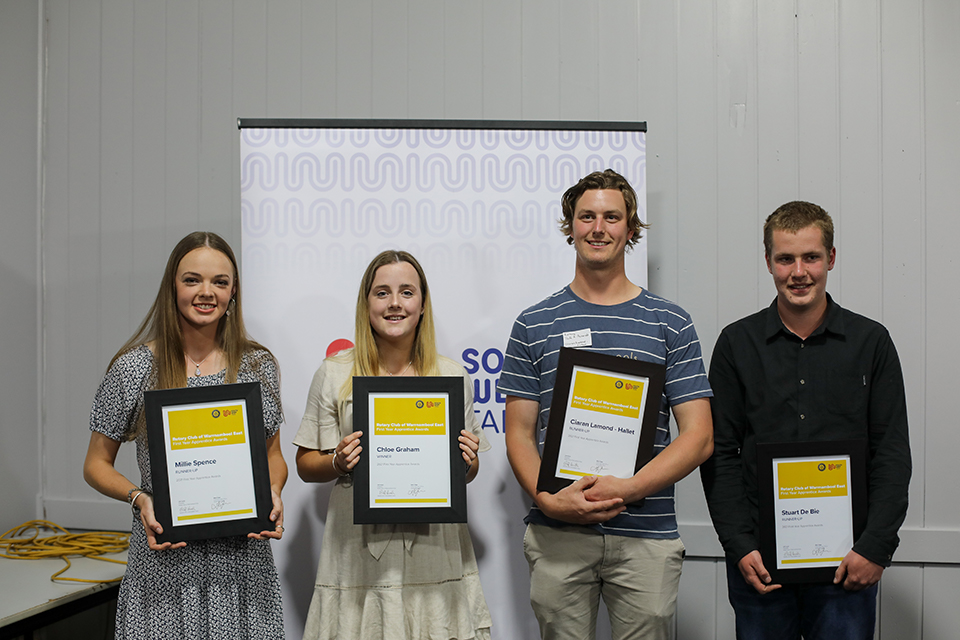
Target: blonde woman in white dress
<point>403,582</point>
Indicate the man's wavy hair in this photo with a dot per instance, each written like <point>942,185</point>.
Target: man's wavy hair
<point>608,179</point>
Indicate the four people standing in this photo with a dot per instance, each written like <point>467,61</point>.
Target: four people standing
<point>803,369</point>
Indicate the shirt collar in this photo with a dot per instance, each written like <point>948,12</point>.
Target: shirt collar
<point>833,323</point>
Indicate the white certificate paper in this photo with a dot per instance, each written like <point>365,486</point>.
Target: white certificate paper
<point>409,450</point>
<point>813,511</point>
<point>208,462</point>
<point>601,430</point>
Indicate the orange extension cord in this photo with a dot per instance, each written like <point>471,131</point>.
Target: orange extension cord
<point>21,545</point>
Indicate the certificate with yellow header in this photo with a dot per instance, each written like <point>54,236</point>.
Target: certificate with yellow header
<point>812,506</point>
<point>411,469</point>
<point>603,417</point>
<point>208,461</point>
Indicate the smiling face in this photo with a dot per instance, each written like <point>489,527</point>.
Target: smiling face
<point>395,302</point>
<point>204,285</point>
<point>599,230</point>
<point>799,263</point>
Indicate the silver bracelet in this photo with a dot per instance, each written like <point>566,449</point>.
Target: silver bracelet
<point>336,469</point>
<point>133,500</point>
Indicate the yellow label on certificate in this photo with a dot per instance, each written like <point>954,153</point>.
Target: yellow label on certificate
<point>812,478</point>
<point>206,427</point>
<point>409,416</point>
<point>607,394</point>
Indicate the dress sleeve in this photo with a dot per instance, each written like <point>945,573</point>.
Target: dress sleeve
<point>119,399</point>
<point>270,390</point>
<point>320,426</point>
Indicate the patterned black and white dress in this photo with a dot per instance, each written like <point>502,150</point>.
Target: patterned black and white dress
<point>218,588</point>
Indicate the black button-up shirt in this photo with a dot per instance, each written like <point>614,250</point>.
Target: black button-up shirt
<point>843,382</point>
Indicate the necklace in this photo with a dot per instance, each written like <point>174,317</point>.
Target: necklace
<point>402,372</point>
<point>197,364</point>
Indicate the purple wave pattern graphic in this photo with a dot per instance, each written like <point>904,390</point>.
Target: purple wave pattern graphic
<point>399,217</point>
<point>489,172</point>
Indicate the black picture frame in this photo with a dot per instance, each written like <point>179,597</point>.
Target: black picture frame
<point>452,388</point>
<point>570,358</point>
<point>767,454</point>
<point>249,394</point>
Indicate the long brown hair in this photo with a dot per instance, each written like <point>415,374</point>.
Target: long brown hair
<point>161,326</point>
<point>366,356</point>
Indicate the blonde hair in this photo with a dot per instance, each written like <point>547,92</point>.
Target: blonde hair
<point>161,326</point>
<point>366,356</point>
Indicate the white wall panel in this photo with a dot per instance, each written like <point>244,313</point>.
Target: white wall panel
<point>749,104</point>
<point>19,264</point>
<point>941,86</point>
<point>903,220</point>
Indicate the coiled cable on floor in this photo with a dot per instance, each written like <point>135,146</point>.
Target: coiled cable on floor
<point>20,544</point>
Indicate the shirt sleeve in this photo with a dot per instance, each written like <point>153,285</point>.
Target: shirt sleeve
<point>889,467</point>
<point>734,516</point>
<point>320,426</point>
<point>119,398</point>
<point>686,378</point>
<point>520,375</point>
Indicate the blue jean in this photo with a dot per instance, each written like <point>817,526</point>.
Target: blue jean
<point>813,611</point>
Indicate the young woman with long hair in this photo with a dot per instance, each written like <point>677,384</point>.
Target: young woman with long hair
<point>387,581</point>
<point>192,336</point>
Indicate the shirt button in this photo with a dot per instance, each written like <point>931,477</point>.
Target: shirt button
<point>802,381</point>
<point>802,345</point>
<point>803,417</point>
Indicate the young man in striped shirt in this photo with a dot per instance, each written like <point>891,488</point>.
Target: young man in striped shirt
<point>595,538</point>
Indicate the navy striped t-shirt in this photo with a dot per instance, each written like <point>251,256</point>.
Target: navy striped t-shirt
<point>645,328</point>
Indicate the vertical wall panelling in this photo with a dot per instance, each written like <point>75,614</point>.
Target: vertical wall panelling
<point>818,109</point>
<point>778,124</point>
<point>941,615</point>
<point>462,60</point>
<point>617,63</point>
<point>903,218</point>
<point>57,427</point>
<point>354,59</point>
<point>388,46</point>
<point>901,603</point>
<point>501,53</point>
<point>736,116</point>
<point>941,85</point>
<point>696,614</point>
<point>425,61</point>
<point>149,201</point>
<point>657,86</point>
<point>84,243</point>
<point>540,57</point>
<point>318,67</point>
<point>19,265</point>
<point>217,122</point>
<point>284,58</point>
<point>858,214</point>
<point>579,61</point>
<point>182,96</point>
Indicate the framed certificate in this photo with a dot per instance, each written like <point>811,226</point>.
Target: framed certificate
<point>813,506</point>
<point>603,417</point>
<point>411,468</point>
<point>208,458</point>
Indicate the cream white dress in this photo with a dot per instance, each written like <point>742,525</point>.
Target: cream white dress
<point>395,582</point>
